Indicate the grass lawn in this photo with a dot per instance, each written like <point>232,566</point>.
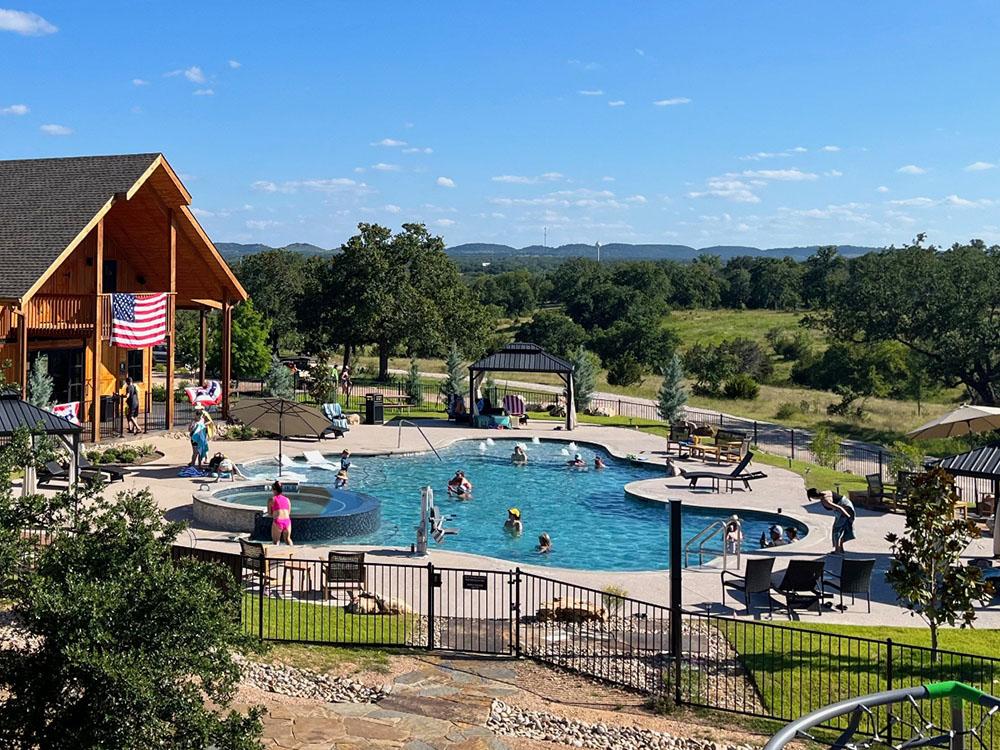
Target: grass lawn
<point>293,620</point>
<point>814,474</point>
<point>330,658</point>
<point>798,667</point>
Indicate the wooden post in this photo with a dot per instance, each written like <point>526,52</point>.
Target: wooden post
<point>171,337</point>
<point>22,351</point>
<point>227,354</point>
<point>203,333</point>
<point>570,403</point>
<point>95,370</point>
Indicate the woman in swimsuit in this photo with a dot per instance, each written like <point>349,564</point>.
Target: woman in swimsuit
<point>280,509</point>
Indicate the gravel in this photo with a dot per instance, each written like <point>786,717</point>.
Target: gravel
<point>305,683</point>
<point>541,725</point>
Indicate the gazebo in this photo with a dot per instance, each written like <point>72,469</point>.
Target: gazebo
<point>979,463</point>
<point>523,357</point>
<point>16,414</point>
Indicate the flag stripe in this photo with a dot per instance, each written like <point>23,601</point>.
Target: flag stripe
<point>138,321</point>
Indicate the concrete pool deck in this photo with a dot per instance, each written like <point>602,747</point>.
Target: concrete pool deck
<point>781,489</point>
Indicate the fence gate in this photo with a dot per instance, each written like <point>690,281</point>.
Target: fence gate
<point>472,610</point>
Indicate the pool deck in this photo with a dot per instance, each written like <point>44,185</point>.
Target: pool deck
<point>781,489</point>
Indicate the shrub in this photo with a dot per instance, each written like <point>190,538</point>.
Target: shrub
<point>672,396</point>
<point>414,388</point>
<point>905,457</point>
<point>741,386</point>
<point>787,410</point>
<point>179,395</point>
<point>789,344</point>
<point>613,597</point>
<point>625,371</point>
<point>279,383</point>
<point>585,369</point>
<point>158,393</point>
<point>239,432</point>
<point>825,447</point>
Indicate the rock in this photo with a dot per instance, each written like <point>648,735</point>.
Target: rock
<point>570,611</point>
<point>367,603</point>
<point>304,683</point>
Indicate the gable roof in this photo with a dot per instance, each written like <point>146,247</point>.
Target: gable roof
<point>46,203</point>
<point>522,357</point>
<point>15,413</point>
<point>982,463</point>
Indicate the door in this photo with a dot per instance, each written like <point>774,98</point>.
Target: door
<point>65,367</point>
<point>109,276</point>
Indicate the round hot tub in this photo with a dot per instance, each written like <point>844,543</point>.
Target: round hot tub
<point>318,513</point>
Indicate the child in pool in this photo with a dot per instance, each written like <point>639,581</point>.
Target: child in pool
<point>577,462</point>
<point>519,456</point>
<point>341,481</point>
<point>459,486</point>
<point>599,463</point>
<point>544,544</point>
<point>513,523</point>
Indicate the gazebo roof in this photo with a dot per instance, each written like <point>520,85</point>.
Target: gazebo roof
<point>522,357</point>
<point>980,463</point>
<point>15,413</point>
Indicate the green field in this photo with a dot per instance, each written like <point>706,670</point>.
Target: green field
<point>292,620</point>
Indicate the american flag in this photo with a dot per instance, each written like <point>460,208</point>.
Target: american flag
<point>138,320</point>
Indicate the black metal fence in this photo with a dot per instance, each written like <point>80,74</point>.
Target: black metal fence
<point>760,669</point>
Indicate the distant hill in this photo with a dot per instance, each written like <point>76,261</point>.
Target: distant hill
<point>612,251</point>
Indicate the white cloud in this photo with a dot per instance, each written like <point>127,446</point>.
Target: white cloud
<point>591,92</point>
<point>444,223</point>
<point>781,175</point>
<point>911,169</point>
<point>616,103</point>
<point>204,92</point>
<point>517,179</point>
<point>194,74</point>
<point>15,109</point>
<point>638,200</point>
<point>235,64</point>
<point>955,201</point>
<point>140,82</point>
<point>388,142</point>
<point>383,167</point>
<point>640,52</point>
<point>881,189</point>
<point>578,198</point>
<point>830,148</point>
<point>919,201</point>
<point>201,213</point>
<point>262,223</point>
<point>980,166</point>
<point>391,208</point>
<point>729,189</point>
<point>833,173</point>
<point>959,202</point>
<point>327,185</point>
<point>764,155</point>
<point>418,150</point>
<point>24,23</point>
<point>445,182</point>
<point>607,178</point>
<point>672,102</point>
<point>799,150</point>
<point>584,65</point>
<point>56,130</point>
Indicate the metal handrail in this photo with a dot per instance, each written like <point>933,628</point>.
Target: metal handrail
<point>708,534</point>
<point>399,437</point>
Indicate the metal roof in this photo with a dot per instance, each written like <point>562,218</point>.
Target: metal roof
<point>15,413</point>
<point>981,463</point>
<point>46,203</point>
<point>522,357</point>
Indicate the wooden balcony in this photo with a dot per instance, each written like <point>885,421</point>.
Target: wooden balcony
<point>74,314</point>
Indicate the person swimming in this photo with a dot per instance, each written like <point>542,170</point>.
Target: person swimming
<point>459,485</point>
<point>577,462</point>
<point>341,481</point>
<point>513,523</point>
<point>599,463</point>
<point>519,456</point>
<point>544,544</point>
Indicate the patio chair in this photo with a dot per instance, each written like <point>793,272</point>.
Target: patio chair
<point>343,570</point>
<point>878,493</point>
<point>738,474</point>
<point>855,578</point>
<point>733,450</point>
<point>755,580</point>
<point>338,422</point>
<point>256,566</point>
<point>53,470</point>
<point>87,466</point>
<point>801,583</point>
<point>680,436</point>
<point>514,406</point>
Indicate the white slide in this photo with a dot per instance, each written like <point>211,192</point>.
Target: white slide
<point>316,460</point>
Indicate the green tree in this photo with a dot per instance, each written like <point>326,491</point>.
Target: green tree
<point>554,331</point>
<point>276,281</point>
<point>710,366</point>
<point>414,386</point>
<point>825,447</point>
<point>323,383</point>
<point>128,649</point>
<point>40,383</point>
<point>927,571</point>
<point>454,383</point>
<point>279,382</point>
<point>585,368</point>
<point>251,357</point>
<point>672,396</point>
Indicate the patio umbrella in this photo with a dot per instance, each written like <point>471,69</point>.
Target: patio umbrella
<point>964,420</point>
<point>280,417</point>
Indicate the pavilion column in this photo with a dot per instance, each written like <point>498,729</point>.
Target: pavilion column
<point>203,336</point>
<point>473,410</point>
<point>227,354</point>
<point>95,372</point>
<point>171,310</point>
<point>570,403</point>
<point>22,351</point>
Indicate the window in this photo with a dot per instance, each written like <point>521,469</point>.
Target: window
<point>134,365</point>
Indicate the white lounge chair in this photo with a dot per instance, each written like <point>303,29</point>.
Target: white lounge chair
<point>316,460</point>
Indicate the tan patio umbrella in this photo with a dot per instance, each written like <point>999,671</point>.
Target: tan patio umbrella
<point>964,420</point>
<point>280,417</point>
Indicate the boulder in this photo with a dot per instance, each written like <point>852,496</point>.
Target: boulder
<point>367,603</point>
<point>571,611</point>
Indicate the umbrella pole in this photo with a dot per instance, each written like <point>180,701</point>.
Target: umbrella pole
<point>281,435</point>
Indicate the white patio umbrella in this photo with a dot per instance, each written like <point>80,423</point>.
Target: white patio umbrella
<point>964,420</point>
<point>280,417</point>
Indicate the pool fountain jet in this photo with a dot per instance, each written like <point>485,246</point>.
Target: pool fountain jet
<point>490,442</point>
<point>572,447</point>
<point>482,447</point>
<point>535,440</point>
<point>564,452</point>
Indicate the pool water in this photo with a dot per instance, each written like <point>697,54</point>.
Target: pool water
<point>592,523</point>
<point>301,505</point>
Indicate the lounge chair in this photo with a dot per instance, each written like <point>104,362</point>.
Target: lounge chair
<point>514,406</point>
<point>343,570</point>
<point>855,578</point>
<point>738,474</point>
<point>755,580</point>
<point>316,460</point>
<point>55,471</point>
<point>801,584</point>
<point>338,422</point>
<point>86,465</point>
<point>877,493</point>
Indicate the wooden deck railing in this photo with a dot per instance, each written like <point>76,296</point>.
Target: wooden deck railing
<point>74,313</point>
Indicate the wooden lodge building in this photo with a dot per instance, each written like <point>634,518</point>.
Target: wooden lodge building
<point>75,231</point>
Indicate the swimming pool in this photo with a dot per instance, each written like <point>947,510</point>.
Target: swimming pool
<point>593,524</point>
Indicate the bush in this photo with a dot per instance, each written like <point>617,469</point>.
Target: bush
<point>613,597</point>
<point>789,344</point>
<point>787,410</point>
<point>625,371</point>
<point>741,386</point>
<point>825,448</point>
<point>179,395</point>
<point>239,432</point>
<point>158,393</point>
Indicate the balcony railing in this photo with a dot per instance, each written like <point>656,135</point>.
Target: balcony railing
<point>74,313</point>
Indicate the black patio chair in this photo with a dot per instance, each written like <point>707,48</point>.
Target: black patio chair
<point>756,579</point>
<point>256,566</point>
<point>855,578</point>
<point>801,584</point>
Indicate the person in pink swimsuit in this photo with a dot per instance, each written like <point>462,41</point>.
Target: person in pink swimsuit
<point>280,509</point>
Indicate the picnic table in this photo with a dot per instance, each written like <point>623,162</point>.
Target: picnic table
<point>397,402</point>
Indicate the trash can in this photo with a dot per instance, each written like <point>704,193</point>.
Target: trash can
<point>374,410</point>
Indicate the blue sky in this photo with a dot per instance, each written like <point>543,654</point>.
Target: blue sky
<point>700,123</point>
